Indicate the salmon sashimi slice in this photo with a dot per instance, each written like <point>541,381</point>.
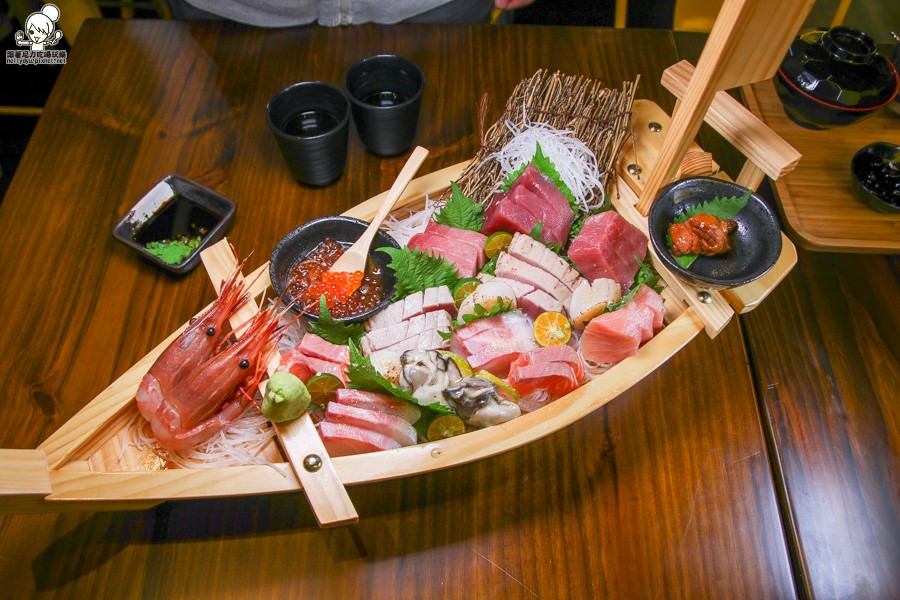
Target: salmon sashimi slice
<point>392,426</point>
<point>378,402</point>
<point>341,439</point>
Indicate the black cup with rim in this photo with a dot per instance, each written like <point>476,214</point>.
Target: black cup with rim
<point>310,120</point>
<point>385,92</point>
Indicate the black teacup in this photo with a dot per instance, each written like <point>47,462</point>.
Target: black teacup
<point>310,121</point>
<point>385,93</point>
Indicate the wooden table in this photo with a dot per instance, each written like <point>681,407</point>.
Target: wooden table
<point>668,491</point>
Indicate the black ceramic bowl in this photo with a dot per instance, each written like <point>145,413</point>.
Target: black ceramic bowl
<point>834,77</point>
<point>297,245</point>
<point>755,245</point>
<point>876,176</point>
<point>175,207</point>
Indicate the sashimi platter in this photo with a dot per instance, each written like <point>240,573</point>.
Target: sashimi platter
<point>523,296</point>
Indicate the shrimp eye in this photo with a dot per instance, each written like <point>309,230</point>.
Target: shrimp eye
<point>211,331</point>
<point>244,364</point>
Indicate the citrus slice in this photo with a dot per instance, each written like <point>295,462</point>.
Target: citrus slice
<point>460,361</point>
<point>463,288</point>
<point>322,387</point>
<point>445,426</point>
<point>496,243</point>
<point>502,385</point>
<point>552,328</point>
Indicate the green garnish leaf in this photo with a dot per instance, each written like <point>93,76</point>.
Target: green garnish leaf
<point>720,207</point>
<point>546,168</point>
<point>461,211</point>
<point>537,231</point>
<point>336,332</point>
<point>416,270</point>
<point>361,375</point>
<point>490,267</point>
<point>726,207</point>
<point>645,276</point>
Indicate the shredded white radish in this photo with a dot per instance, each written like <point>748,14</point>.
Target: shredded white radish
<point>575,162</point>
<point>241,443</point>
<point>403,229</point>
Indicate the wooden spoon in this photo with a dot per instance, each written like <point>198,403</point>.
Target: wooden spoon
<point>354,258</point>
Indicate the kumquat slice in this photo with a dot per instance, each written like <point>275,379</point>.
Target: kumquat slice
<point>552,329</point>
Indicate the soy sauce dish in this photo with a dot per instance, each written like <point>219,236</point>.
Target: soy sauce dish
<point>755,244</point>
<point>173,222</point>
<point>296,247</point>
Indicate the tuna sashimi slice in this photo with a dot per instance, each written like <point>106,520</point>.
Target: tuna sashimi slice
<point>608,246</point>
<point>645,318</point>
<point>493,343</point>
<point>555,377</point>
<point>383,423</point>
<point>313,345</point>
<point>494,360</point>
<point>439,298</point>
<point>531,251</point>
<point>511,267</point>
<point>557,369</point>
<point>379,402</point>
<point>461,247</point>
<point>341,439</point>
<point>290,359</point>
<point>612,337</point>
<point>538,301</point>
<point>509,212</point>
<point>648,297</point>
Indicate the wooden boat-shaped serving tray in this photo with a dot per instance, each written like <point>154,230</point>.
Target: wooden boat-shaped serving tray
<point>89,464</point>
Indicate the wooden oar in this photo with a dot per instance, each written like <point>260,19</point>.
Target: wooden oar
<point>301,442</point>
<point>354,258</point>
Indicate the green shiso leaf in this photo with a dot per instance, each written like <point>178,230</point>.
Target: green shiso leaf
<point>416,270</point>
<point>361,375</point>
<point>721,207</point>
<point>537,231</point>
<point>726,207</point>
<point>336,332</point>
<point>461,211</point>
<point>645,276</point>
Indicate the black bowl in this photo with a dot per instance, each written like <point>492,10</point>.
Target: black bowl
<point>834,77</point>
<point>297,245</point>
<point>876,176</point>
<point>755,245</point>
<point>175,206</point>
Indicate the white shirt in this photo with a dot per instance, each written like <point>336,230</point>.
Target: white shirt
<point>278,13</point>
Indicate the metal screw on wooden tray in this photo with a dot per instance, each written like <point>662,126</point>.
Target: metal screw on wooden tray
<point>312,463</point>
<point>654,127</point>
<point>633,169</point>
<point>704,297</point>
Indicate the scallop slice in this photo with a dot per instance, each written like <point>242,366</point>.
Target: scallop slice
<point>591,299</point>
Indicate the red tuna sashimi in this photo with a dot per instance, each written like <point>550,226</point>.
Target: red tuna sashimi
<point>612,336</point>
<point>557,369</point>
<point>383,423</point>
<point>341,439</point>
<point>493,343</point>
<point>608,246</point>
<point>380,402</point>
<point>646,296</point>
<point>292,358</point>
<point>461,247</point>
<point>531,199</point>
<point>315,346</point>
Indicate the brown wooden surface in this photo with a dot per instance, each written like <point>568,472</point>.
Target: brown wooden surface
<point>825,349</point>
<point>666,492</point>
<point>817,200</point>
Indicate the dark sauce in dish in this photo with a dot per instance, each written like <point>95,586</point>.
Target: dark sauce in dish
<point>305,274</point>
<point>178,219</point>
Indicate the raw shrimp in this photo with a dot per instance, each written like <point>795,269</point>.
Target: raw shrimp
<point>201,383</point>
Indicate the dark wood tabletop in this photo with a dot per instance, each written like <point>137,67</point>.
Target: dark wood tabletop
<point>759,464</point>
